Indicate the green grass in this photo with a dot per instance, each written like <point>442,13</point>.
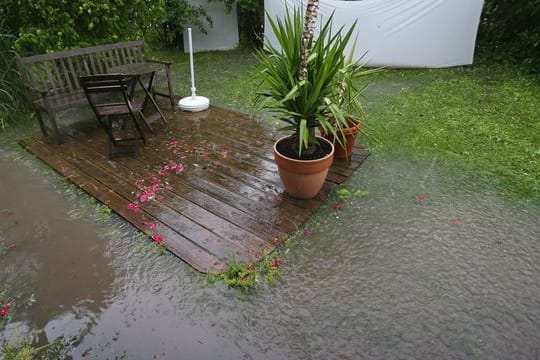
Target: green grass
<point>485,118</point>
<point>226,78</point>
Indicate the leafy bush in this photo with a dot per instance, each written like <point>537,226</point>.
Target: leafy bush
<point>13,104</point>
<point>513,29</point>
<point>78,23</point>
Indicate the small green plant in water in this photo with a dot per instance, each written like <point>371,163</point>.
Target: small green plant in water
<point>104,212</point>
<point>247,277</point>
<point>344,194</point>
<point>23,349</point>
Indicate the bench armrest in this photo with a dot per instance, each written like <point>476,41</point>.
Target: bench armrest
<point>33,91</point>
<point>164,62</point>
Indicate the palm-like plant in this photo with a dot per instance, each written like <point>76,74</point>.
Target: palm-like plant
<point>302,80</point>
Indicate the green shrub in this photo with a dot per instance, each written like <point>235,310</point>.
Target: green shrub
<point>13,104</point>
<point>78,23</point>
<point>513,29</point>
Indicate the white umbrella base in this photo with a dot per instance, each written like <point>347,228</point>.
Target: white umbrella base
<point>194,103</point>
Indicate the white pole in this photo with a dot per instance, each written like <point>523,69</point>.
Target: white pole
<point>193,103</point>
<point>193,90</point>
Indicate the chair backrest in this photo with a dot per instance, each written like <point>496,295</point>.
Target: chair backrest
<point>103,83</point>
<point>106,90</point>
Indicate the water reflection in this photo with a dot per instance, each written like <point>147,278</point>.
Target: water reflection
<point>389,276</point>
<point>58,254</point>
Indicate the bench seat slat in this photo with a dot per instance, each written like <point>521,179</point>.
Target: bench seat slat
<point>60,102</point>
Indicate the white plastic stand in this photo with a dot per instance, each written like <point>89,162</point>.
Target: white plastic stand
<point>193,103</point>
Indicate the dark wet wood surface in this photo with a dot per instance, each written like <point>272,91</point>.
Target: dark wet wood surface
<point>225,202</point>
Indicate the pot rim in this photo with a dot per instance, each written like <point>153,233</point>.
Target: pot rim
<point>331,153</point>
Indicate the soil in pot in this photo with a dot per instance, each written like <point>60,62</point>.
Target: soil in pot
<point>287,147</point>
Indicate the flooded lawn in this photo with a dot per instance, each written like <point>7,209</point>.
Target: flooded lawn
<point>428,265</point>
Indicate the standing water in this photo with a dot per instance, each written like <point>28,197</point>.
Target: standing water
<point>428,265</point>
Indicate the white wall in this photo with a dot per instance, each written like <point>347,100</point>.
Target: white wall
<point>224,33</point>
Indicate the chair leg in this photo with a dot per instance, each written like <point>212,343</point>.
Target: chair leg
<point>169,84</point>
<point>139,128</point>
<point>146,123</point>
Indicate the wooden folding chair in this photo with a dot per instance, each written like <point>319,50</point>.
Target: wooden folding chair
<point>116,111</point>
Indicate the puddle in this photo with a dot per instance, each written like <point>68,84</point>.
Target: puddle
<point>425,266</point>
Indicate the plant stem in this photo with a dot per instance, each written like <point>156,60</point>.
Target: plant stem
<point>309,25</point>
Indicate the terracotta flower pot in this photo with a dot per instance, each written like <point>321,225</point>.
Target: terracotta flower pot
<point>303,179</point>
<point>350,135</point>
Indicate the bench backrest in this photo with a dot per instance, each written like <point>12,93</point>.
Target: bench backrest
<point>58,72</point>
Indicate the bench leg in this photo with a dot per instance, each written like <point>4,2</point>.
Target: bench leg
<point>56,133</point>
<point>41,123</point>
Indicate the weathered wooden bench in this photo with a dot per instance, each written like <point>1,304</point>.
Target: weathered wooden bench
<point>52,80</point>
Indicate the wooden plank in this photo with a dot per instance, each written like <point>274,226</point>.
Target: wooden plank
<point>35,78</point>
<point>219,237</point>
<point>98,59</point>
<point>92,61</point>
<point>139,54</point>
<point>110,60</point>
<point>117,55</point>
<point>262,147</point>
<point>67,74</point>
<point>185,249</point>
<point>250,175</point>
<point>228,190</point>
<point>243,219</point>
<point>134,168</point>
<point>58,77</point>
<point>50,81</point>
<point>75,77</point>
<point>214,211</point>
<point>78,52</point>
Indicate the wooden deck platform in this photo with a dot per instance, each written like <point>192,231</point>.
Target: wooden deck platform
<point>206,183</point>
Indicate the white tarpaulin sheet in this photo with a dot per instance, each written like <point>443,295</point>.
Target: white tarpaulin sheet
<point>400,33</point>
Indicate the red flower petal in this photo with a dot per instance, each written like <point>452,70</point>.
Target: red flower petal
<point>455,221</point>
<point>336,206</point>
<point>308,232</point>
<point>157,238</point>
<point>421,198</point>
